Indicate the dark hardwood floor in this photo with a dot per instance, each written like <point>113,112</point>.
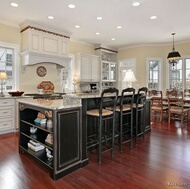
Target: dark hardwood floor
<point>161,161</point>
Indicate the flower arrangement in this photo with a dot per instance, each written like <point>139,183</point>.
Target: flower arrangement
<point>40,86</point>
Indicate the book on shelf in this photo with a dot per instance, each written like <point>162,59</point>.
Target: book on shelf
<point>40,121</point>
<point>35,143</point>
<point>35,148</point>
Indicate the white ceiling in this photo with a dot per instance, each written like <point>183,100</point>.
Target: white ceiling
<point>137,27</point>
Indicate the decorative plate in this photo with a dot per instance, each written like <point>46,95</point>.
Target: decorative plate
<point>41,71</point>
<point>48,86</point>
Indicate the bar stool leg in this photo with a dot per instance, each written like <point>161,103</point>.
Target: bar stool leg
<point>131,130</point>
<point>136,130</point>
<point>100,141</point>
<point>113,137</point>
<point>121,133</point>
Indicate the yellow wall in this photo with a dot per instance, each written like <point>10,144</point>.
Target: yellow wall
<point>76,47</point>
<point>10,34</point>
<point>144,52</point>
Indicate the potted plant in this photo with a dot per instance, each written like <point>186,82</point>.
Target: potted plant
<point>40,88</point>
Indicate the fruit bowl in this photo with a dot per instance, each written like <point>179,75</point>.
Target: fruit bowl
<point>16,93</point>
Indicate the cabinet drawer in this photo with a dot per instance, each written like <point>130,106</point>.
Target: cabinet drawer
<point>6,102</point>
<point>7,111</point>
<point>6,124</point>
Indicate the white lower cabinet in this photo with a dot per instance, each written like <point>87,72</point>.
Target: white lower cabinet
<point>7,115</point>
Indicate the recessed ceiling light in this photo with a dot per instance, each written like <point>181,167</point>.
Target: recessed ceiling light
<point>113,39</point>
<point>71,6</point>
<point>77,26</point>
<point>136,4</point>
<point>153,17</point>
<point>14,5</point>
<point>99,18</point>
<point>51,17</point>
<point>97,33</point>
<point>119,27</point>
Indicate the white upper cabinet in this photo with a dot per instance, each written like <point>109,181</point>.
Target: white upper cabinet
<point>87,67</point>
<point>109,66</point>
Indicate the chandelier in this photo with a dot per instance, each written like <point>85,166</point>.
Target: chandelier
<point>174,56</point>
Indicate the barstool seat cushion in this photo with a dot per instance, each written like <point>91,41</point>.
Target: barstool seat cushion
<point>139,105</point>
<point>126,107</point>
<point>95,112</point>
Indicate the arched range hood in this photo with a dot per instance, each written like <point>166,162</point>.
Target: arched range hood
<point>30,58</point>
<point>41,44</point>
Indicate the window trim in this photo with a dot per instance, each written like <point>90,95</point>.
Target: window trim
<point>160,60</point>
<point>16,69</point>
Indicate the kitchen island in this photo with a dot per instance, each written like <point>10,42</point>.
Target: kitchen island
<point>66,153</point>
<point>70,130</point>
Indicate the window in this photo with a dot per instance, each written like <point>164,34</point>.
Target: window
<point>154,74</point>
<point>8,62</point>
<point>125,65</point>
<point>179,74</point>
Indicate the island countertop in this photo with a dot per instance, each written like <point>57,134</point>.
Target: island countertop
<point>68,101</point>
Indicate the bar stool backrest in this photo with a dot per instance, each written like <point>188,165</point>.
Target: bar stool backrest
<point>127,97</point>
<point>142,94</point>
<point>108,99</point>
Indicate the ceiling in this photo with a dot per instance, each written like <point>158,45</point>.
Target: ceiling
<point>137,27</point>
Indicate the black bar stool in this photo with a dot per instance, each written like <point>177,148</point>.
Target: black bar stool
<point>105,132</point>
<point>125,110</point>
<point>140,112</point>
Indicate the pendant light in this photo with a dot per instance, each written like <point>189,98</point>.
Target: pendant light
<point>173,56</point>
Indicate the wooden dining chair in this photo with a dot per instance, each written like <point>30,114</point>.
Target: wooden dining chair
<point>176,109</point>
<point>186,93</point>
<point>157,107</point>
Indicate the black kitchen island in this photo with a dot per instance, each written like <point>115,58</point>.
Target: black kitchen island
<point>70,130</point>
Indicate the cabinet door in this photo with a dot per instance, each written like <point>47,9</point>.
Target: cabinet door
<point>69,138</point>
<point>105,71</point>
<point>112,71</point>
<point>86,70</point>
<point>95,69</point>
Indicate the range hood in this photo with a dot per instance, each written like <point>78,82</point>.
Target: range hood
<point>31,58</point>
<point>42,44</point>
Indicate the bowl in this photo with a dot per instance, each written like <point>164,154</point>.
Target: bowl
<point>16,93</point>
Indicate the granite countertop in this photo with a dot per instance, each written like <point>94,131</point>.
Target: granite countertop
<point>14,97</point>
<point>68,101</point>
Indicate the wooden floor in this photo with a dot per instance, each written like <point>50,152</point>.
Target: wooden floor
<point>161,161</point>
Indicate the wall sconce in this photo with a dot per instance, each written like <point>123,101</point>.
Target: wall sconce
<point>174,56</point>
<point>129,77</point>
<point>3,77</point>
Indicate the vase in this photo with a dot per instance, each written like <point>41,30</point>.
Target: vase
<point>41,91</point>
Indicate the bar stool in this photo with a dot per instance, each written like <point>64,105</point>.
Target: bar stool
<point>105,132</point>
<point>140,112</point>
<point>125,110</point>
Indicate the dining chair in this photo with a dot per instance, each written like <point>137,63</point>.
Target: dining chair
<point>157,106</point>
<point>186,93</point>
<point>176,108</point>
